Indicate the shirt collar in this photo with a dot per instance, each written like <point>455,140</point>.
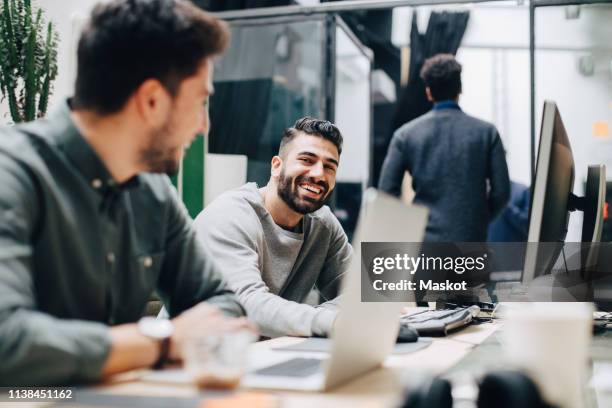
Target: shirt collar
<point>450,104</point>
<point>81,154</point>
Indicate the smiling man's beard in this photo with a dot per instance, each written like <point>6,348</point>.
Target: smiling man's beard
<point>288,192</point>
<point>157,157</point>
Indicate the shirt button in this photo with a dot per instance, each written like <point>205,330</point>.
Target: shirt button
<point>96,183</point>
<point>147,262</point>
<point>110,257</point>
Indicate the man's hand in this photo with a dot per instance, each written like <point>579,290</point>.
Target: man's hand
<point>200,321</point>
<point>130,349</point>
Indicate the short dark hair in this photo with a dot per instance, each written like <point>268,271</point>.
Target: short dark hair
<point>313,127</point>
<point>442,74</point>
<point>129,41</point>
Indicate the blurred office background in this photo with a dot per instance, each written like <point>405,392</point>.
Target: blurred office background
<point>358,67</point>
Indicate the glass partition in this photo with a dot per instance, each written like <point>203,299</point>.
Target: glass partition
<point>271,75</point>
<point>352,107</point>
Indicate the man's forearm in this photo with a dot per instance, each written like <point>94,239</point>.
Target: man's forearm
<point>228,303</point>
<point>276,316</point>
<point>129,350</point>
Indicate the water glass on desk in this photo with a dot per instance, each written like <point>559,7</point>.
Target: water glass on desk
<point>550,341</point>
<point>218,361</point>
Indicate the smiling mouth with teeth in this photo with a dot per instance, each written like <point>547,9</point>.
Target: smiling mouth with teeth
<point>311,188</point>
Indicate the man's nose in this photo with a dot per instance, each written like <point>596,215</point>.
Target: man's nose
<point>317,171</point>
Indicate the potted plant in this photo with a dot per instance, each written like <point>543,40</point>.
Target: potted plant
<point>28,59</point>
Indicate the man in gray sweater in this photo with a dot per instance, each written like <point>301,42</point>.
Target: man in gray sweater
<point>275,244</point>
<point>457,162</point>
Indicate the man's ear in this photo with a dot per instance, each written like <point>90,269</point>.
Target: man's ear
<point>428,93</point>
<point>153,102</point>
<point>275,169</point>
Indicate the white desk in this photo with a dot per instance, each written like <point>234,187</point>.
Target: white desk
<point>379,388</point>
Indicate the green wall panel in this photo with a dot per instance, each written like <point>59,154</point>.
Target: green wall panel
<point>192,177</point>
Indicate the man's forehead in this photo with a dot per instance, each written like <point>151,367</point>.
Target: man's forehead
<point>316,144</point>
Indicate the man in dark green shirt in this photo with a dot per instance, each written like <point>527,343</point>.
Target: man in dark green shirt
<point>88,225</point>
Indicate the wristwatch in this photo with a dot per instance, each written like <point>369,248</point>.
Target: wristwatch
<point>159,330</point>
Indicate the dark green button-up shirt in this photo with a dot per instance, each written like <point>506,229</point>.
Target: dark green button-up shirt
<point>79,253</point>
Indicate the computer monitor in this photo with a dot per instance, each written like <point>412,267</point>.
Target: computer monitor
<point>552,199</point>
<point>553,183</point>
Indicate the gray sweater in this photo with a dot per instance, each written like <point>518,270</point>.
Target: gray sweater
<point>272,270</point>
<point>459,171</point>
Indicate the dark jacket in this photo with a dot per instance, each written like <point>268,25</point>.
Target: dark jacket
<point>458,169</point>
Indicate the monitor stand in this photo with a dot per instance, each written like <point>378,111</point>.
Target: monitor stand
<point>593,205</point>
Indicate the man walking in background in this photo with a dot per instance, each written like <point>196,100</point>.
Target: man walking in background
<point>457,162</point>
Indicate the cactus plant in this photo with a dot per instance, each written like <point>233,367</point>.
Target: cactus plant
<point>28,59</point>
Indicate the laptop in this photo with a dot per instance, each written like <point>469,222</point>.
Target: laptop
<point>364,333</point>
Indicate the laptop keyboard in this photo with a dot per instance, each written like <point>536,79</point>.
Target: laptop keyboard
<point>430,315</point>
<point>438,322</point>
<point>296,367</point>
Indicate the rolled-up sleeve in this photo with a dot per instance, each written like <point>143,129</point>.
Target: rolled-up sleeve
<point>36,348</point>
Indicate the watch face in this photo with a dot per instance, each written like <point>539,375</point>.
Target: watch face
<point>155,328</point>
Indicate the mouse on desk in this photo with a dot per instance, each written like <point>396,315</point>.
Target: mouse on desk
<point>407,334</point>
<point>600,326</point>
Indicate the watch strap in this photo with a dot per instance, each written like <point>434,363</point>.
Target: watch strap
<point>164,352</point>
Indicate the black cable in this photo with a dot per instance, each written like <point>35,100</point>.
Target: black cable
<point>564,261</point>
